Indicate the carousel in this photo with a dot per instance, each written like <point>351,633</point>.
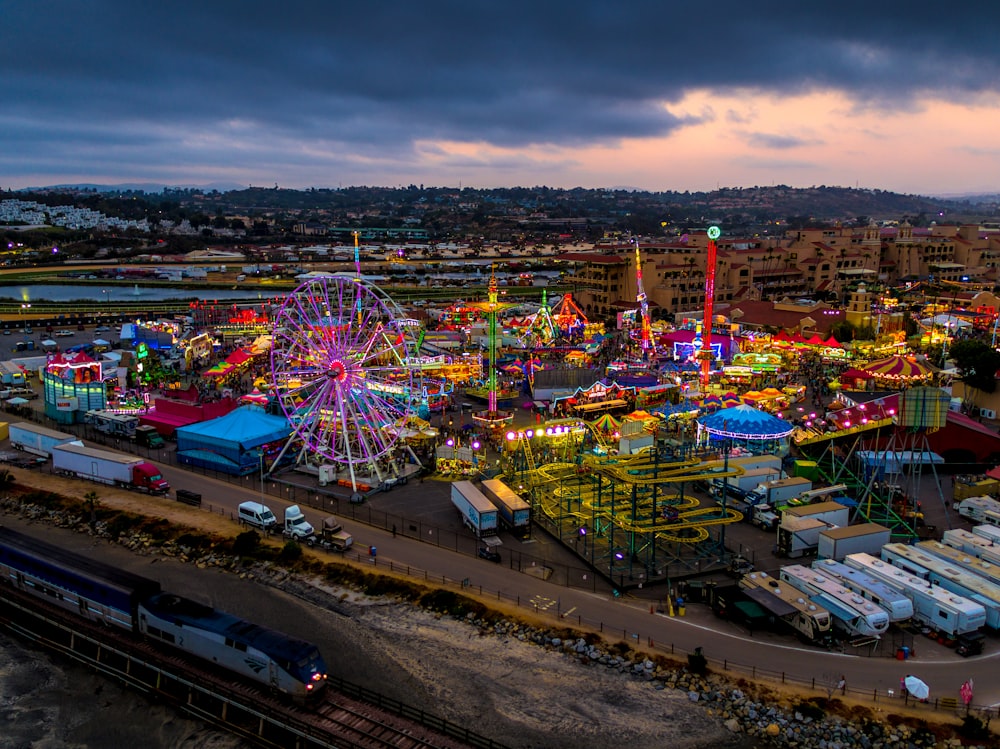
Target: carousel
<point>747,429</point>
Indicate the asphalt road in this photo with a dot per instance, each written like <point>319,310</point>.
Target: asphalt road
<point>636,618</point>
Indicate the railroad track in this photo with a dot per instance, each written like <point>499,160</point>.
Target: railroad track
<point>338,718</point>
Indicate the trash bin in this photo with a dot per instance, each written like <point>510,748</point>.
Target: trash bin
<point>899,654</point>
<point>906,652</point>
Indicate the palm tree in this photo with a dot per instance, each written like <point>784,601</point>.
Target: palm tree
<point>92,500</point>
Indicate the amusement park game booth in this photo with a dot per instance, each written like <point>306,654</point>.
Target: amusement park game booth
<point>231,443</point>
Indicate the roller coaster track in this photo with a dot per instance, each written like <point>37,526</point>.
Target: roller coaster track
<point>815,438</point>
<point>688,526</point>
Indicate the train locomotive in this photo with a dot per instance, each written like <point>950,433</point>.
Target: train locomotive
<point>113,597</point>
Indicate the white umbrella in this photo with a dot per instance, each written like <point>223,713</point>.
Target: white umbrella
<point>17,401</point>
<point>100,342</point>
<point>916,687</point>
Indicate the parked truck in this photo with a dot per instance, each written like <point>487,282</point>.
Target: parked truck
<point>764,517</point>
<point>979,485</point>
<point>977,509</point>
<point>514,511</point>
<point>147,436</point>
<point>106,467</point>
<point>748,481</point>
<point>867,538</point>
<point>753,462</point>
<point>296,527</point>
<point>478,513</point>
<point>799,529</point>
<point>332,536</point>
<point>779,491</point>
<point>37,439</point>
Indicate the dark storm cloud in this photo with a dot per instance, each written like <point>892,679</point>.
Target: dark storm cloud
<point>242,84</point>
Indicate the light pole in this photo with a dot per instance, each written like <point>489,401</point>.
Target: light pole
<point>24,328</point>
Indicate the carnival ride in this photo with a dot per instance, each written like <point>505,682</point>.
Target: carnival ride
<point>646,342</point>
<point>340,363</point>
<point>706,354</point>
<point>570,321</point>
<point>861,446</point>
<point>493,417</point>
<point>539,329</point>
<point>627,515</point>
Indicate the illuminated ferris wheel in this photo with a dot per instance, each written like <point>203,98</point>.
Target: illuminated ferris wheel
<point>341,367</point>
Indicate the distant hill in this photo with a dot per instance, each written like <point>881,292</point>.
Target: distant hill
<point>148,187</point>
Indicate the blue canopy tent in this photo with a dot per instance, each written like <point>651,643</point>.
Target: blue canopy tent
<point>748,427</point>
<point>231,443</point>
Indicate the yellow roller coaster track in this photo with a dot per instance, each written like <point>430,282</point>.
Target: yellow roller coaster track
<point>689,526</point>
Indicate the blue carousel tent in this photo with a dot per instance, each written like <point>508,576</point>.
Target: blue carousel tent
<point>744,424</point>
<point>230,443</point>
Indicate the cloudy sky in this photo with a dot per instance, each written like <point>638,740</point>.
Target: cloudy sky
<point>665,95</point>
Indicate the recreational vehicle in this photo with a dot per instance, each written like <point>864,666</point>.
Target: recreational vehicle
<point>948,575</point>
<point>809,619</point>
<point>943,612</point>
<point>852,614</point>
<point>889,599</point>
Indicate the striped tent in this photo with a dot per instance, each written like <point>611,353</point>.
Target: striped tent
<point>899,368</point>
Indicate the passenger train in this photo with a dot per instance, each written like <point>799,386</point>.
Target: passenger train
<point>109,596</point>
<point>852,614</point>
<point>809,619</point>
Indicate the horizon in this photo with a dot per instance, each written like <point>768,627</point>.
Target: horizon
<point>154,187</point>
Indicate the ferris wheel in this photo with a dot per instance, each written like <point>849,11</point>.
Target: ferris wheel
<point>340,360</point>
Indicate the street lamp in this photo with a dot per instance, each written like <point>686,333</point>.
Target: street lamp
<point>24,328</point>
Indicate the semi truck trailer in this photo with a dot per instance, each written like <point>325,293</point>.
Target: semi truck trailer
<point>106,467</point>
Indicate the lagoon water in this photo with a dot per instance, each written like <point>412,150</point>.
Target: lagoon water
<point>120,293</point>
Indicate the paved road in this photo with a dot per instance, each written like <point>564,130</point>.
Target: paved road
<point>630,618</point>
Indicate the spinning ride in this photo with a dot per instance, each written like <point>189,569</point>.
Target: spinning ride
<point>340,366</point>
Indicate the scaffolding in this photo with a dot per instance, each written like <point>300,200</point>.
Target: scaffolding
<point>632,518</point>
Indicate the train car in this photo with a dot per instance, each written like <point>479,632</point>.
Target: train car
<point>93,590</point>
<point>285,664</point>
<point>944,612</point>
<point>111,596</point>
<point>889,599</point>
<point>809,619</point>
<point>852,614</point>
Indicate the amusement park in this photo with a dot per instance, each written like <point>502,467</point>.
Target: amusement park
<point>649,452</point>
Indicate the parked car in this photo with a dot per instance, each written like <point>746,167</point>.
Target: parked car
<point>487,553</point>
<point>63,333</point>
<point>102,329</point>
<point>970,643</point>
<point>6,332</point>
<point>81,326</point>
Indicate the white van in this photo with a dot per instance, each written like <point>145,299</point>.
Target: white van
<point>257,515</point>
